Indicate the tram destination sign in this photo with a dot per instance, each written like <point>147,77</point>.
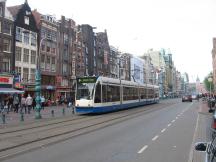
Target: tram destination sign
<point>87,80</point>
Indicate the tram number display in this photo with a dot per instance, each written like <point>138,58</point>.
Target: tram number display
<point>87,80</point>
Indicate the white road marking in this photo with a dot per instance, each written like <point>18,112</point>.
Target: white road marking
<point>163,130</point>
<point>142,149</point>
<point>176,117</point>
<point>173,121</point>
<point>153,139</point>
<point>169,125</point>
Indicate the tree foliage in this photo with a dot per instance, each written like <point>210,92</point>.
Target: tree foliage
<point>209,84</point>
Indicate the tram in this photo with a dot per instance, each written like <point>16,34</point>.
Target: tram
<point>103,94</point>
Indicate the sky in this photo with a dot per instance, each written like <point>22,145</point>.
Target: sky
<point>185,27</point>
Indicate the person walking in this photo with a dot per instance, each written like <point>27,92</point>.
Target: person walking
<point>29,101</point>
<point>23,104</point>
<point>33,103</point>
<point>42,102</point>
<point>16,103</point>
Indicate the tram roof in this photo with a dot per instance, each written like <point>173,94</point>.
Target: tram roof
<point>124,82</point>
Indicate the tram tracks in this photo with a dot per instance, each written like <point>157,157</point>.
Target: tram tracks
<point>40,136</point>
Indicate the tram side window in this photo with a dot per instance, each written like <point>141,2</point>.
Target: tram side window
<point>126,93</point>
<point>150,93</point>
<point>98,93</point>
<point>156,93</point>
<point>142,93</point>
<point>113,93</point>
<point>104,93</point>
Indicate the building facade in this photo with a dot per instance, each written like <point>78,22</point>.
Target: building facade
<point>66,66</point>
<point>88,37</point>
<point>7,63</point>
<point>214,60</point>
<point>102,54</point>
<point>48,52</point>
<point>25,45</point>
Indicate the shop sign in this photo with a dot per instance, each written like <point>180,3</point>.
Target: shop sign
<point>18,85</point>
<point>6,80</point>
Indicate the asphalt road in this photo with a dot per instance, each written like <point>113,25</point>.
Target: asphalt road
<point>164,135</point>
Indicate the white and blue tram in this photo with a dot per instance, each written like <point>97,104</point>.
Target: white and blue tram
<point>102,94</point>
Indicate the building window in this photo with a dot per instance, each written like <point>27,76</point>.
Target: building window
<point>18,70</point>
<point>7,45</point>
<point>48,63</point>
<point>0,26</point>
<point>32,75</point>
<point>26,55</point>
<point>53,64</point>
<point>43,48</point>
<point>54,36</point>
<point>64,68</point>
<point>53,50</point>
<point>48,48</point>
<point>18,53</point>
<point>7,28</point>
<point>42,63</point>
<point>43,32</point>
<point>1,11</point>
<point>26,20</point>
<point>5,65</point>
<point>26,38</point>
<point>18,34</point>
<point>33,57</point>
<point>33,39</point>
<point>65,39</point>
<point>25,74</point>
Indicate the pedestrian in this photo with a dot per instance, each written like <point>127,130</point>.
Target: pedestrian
<point>33,103</point>
<point>16,103</point>
<point>10,104</point>
<point>23,104</point>
<point>29,101</point>
<point>42,102</point>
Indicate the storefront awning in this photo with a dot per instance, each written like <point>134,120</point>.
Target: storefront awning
<point>10,91</point>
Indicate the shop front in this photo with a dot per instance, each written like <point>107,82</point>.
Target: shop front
<point>48,91</point>
<point>6,85</point>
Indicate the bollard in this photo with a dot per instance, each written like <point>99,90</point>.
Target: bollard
<point>3,118</point>
<point>52,112</point>
<point>21,116</point>
<point>63,111</point>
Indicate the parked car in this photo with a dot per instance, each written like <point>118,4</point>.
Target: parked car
<point>209,148</point>
<point>187,98</point>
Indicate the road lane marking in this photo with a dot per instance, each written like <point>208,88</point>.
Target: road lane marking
<point>153,139</point>
<point>173,121</point>
<point>176,117</point>
<point>163,130</point>
<point>169,125</point>
<point>142,149</point>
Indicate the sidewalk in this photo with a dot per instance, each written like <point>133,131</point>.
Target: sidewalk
<point>13,118</point>
<point>202,131</point>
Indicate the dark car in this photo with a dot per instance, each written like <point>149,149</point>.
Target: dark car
<point>187,98</point>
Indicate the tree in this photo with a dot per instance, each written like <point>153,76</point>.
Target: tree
<point>209,84</point>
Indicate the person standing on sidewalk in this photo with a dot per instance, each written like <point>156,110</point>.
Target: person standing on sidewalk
<point>29,101</point>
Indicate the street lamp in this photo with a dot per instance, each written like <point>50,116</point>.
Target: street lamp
<point>38,84</point>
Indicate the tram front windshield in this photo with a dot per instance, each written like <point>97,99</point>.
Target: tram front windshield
<point>84,91</point>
